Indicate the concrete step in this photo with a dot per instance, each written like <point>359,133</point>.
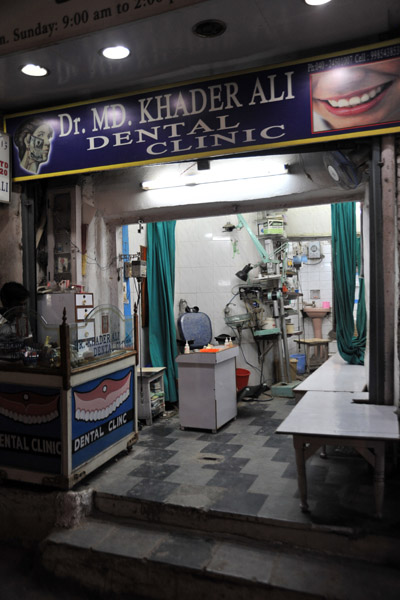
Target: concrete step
<point>376,544</point>
<point>127,559</point>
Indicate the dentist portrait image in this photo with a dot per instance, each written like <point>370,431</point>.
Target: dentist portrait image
<point>356,96</point>
<point>33,139</point>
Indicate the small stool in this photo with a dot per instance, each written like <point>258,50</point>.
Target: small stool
<point>321,354</point>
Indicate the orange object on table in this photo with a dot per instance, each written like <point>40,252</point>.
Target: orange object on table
<point>209,350</point>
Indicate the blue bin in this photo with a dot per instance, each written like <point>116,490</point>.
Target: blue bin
<point>301,363</point>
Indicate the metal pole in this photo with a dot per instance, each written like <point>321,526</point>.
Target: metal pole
<point>288,378</point>
<point>376,288</point>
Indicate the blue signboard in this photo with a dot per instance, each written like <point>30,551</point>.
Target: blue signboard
<point>338,96</point>
<point>30,428</point>
<point>102,414</point>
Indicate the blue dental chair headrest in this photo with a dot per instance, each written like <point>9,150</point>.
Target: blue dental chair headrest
<point>195,326</point>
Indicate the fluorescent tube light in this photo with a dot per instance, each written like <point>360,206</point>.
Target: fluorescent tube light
<point>206,177</point>
<point>316,2</point>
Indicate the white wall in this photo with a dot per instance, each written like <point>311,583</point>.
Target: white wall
<point>207,259</point>
<point>138,237</point>
<point>315,276</point>
<point>11,239</point>
<point>312,221</point>
<point>206,263</point>
<point>309,221</point>
<point>100,274</point>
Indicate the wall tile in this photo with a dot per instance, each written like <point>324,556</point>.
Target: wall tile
<point>205,277</point>
<point>222,279</point>
<point>222,253</point>
<point>188,280</point>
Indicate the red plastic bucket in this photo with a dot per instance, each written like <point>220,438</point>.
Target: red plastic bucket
<point>242,378</point>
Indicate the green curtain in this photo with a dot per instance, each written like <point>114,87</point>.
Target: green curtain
<point>361,319</point>
<point>346,256</point>
<point>160,286</point>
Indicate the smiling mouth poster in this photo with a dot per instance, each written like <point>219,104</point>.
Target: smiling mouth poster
<point>338,96</point>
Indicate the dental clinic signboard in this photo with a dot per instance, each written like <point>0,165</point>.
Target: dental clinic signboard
<point>338,96</point>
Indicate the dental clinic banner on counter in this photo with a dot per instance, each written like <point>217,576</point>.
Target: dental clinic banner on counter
<point>102,414</point>
<point>337,96</point>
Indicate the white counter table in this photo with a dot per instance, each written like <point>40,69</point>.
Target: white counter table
<point>335,375</point>
<point>333,417</point>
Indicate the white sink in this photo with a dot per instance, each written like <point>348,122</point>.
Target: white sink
<point>316,313</point>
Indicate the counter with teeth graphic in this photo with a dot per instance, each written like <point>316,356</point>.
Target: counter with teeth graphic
<point>29,407</point>
<point>56,434</point>
<point>103,400</point>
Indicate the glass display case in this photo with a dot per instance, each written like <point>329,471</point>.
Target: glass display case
<point>67,394</point>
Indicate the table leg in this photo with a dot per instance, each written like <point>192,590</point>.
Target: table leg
<point>379,477</point>
<point>301,471</point>
<point>307,359</point>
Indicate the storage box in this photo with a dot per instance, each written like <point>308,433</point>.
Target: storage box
<point>271,227</point>
<point>151,393</point>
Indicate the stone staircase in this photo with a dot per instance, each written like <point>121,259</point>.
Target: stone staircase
<point>132,548</point>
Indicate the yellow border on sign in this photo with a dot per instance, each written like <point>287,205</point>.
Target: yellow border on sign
<point>236,150</point>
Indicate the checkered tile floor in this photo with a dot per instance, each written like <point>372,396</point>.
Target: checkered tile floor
<point>245,468</point>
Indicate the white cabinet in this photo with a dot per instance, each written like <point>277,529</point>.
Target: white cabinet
<point>207,388</point>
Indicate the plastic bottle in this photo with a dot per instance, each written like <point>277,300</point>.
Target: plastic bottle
<point>187,348</point>
<point>230,343</point>
<point>226,343</point>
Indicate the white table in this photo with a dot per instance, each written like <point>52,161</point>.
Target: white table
<point>335,375</point>
<point>333,417</point>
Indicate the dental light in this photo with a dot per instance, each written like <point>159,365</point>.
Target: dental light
<point>206,177</point>
<point>243,273</point>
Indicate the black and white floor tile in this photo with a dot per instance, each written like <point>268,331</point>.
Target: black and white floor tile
<point>244,468</point>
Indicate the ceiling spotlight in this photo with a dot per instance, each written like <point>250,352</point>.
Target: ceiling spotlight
<point>34,70</point>
<point>209,28</point>
<point>115,52</point>
<point>316,2</point>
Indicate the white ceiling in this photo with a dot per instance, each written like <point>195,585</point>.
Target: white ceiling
<point>164,49</point>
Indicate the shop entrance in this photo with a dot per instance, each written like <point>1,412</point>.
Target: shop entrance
<point>190,235</point>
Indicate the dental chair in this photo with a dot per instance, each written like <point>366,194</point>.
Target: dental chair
<point>195,328</point>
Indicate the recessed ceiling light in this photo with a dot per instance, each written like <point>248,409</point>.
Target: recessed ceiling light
<point>34,70</point>
<point>115,52</point>
<point>209,28</point>
<point>316,2</point>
